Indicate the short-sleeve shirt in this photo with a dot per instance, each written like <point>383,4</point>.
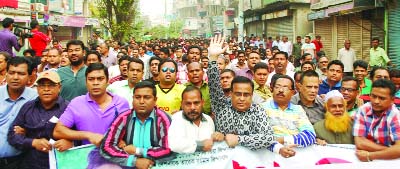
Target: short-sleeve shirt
<point>383,129</point>
<point>309,48</point>
<point>72,85</point>
<point>170,100</point>
<point>86,115</point>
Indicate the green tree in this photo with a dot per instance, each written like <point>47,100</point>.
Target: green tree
<point>117,16</point>
<point>173,30</point>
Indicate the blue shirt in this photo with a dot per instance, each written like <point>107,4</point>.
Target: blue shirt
<point>8,111</point>
<point>324,87</point>
<point>141,138</point>
<point>7,41</point>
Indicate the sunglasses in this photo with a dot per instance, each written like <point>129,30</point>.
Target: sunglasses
<point>165,69</point>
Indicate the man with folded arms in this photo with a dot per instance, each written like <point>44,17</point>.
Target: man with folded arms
<point>376,127</point>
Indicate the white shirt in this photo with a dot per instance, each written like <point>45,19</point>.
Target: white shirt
<point>286,47</point>
<point>289,73</point>
<point>309,48</point>
<point>348,57</point>
<point>184,136</point>
<point>276,43</point>
<point>113,71</point>
<point>146,70</point>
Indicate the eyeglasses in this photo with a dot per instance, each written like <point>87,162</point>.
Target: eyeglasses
<point>284,88</point>
<point>48,85</point>
<point>165,69</point>
<point>343,89</point>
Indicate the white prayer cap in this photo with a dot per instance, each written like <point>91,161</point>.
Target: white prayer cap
<point>332,94</point>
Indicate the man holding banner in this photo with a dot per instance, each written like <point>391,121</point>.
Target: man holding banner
<point>242,122</point>
<point>138,137</point>
<point>192,130</point>
<point>377,124</point>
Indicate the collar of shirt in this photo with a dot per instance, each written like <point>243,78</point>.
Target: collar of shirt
<point>6,96</point>
<point>203,84</point>
<point>275,105</point>
<point>327,84</point>
<point>203,119</point>
<point>370,112</point>
<point>89,99</point>
<point>257,86</point>
<point>59,101</point>
<point>151,116</point>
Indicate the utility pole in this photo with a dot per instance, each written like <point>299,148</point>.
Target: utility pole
<point>241,21</point>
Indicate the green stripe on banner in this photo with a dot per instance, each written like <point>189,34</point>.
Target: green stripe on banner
<point>74,158</point>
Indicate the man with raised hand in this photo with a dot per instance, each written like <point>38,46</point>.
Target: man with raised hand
<point>242,122</point>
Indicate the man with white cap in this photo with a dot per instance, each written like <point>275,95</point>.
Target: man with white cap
<point>32,129</point>
<point>336,128</point>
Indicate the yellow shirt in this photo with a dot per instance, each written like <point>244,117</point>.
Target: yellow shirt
<point>169,100</point>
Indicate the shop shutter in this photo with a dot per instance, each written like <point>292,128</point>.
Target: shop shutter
<point>394,36</point>
<point>355,33</point>
<point>324,28</point>
<point>366,39</point>
<point>280,26</point>
<point>342,31</point>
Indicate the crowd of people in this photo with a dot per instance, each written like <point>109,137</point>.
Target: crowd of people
<point>144,101</point>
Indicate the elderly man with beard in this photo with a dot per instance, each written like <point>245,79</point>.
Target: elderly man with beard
<point>336,128</point>
<point>191,130</point>
<point>73,77</point>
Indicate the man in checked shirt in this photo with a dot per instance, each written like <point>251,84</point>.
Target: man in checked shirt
<point>377,124</point>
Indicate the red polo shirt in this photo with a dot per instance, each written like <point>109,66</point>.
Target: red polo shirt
<point>39,42</point>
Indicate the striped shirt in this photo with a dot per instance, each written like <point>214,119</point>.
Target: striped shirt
<point>291,123</point>
<point>124,128</point>
<point>383,129</point>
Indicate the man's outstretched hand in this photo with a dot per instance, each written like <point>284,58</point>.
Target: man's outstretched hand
<point>215,48</point>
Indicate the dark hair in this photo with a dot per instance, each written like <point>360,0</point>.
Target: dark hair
<point>394,73</point>
<point>308,73</point>
<point>260,65</point>
<point>360,63</point>
<point>76,42</point>
<point>193,46</point>
<point>165,51</point>
<point>204,57</point>
<point>241,52</point>
<point>15,61</point>
<point>336,62</point>
<point>304,56</point>
<point>7,22</point>
<point>374,69</point>
<point>280,76</point>
<point>92,52</point>
<point>242,79</point>
<point>281,53</point>
<point>146,84</point>
<point>275,48</point>
<point>122,58</point>
<point>375,38</point>
<point>351,78</point>
<point>191,88</point>
<point>154,58</point>
<point>296,74</point>
<point>307,62</point>
<point>228,70</point>
<point>384,83</point>
<point>320,54</point>
<point>165,61</point>
<point>135,60</point>
<point>30,51</point>
<point>309,37</point>
<point>34,23</point>
<point>96,66</point>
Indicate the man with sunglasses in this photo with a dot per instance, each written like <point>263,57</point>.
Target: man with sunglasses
<point>168,92</point>
<point>33,127</point>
